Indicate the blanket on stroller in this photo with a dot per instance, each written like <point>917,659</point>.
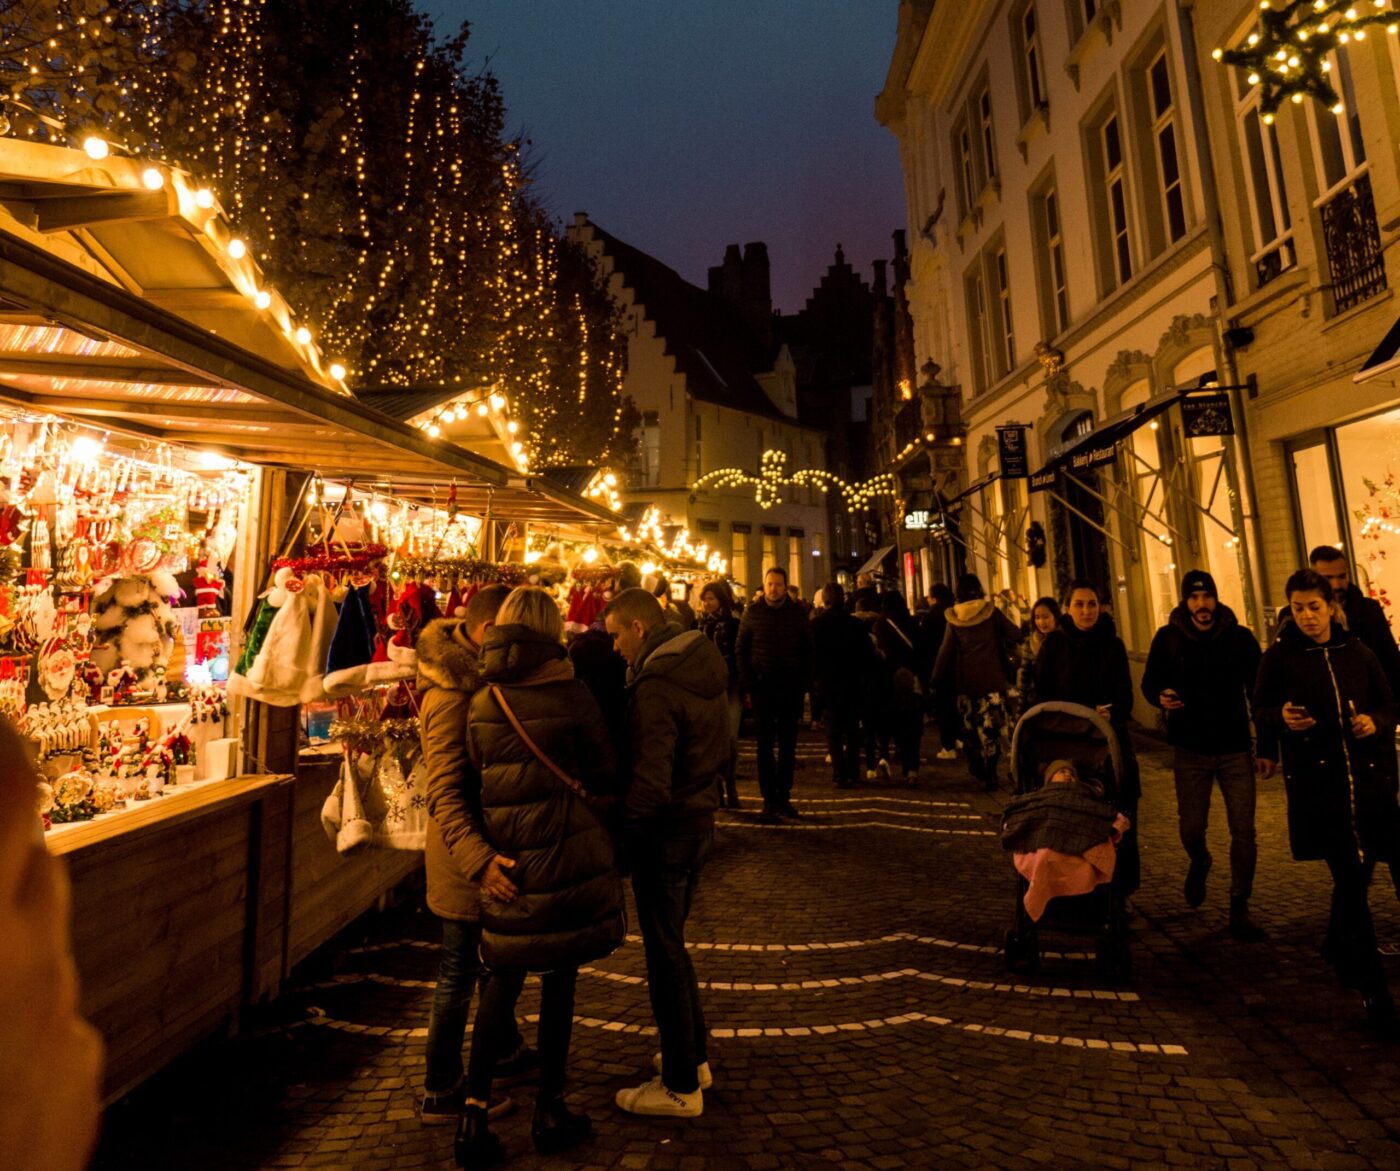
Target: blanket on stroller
<point>1068,818</point>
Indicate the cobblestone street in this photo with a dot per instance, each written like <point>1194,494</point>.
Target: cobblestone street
<point>862,1017</point>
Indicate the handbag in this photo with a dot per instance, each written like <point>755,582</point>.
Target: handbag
<point>597,802</point>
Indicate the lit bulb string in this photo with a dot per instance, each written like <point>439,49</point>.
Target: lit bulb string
<point>773,476</point>
<point>408,529</point>
<point>651,530</point>
<point>1287,57</point>
<point>200,206</point>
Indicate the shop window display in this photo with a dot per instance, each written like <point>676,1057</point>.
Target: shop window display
<point>1144,462</point>
<point>107,664</point>
<point>1368,455</point>
<point>1222,549</point>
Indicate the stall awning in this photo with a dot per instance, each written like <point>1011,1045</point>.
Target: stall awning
<point>954,503</point>
<point>1098,447</point>
<point>876,560</point>
<point>1384,361</point>
<point>74,344</point>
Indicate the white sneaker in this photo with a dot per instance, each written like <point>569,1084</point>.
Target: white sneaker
<point>655,1100</point>
<point>947,754</point>
<point>702,1071</point>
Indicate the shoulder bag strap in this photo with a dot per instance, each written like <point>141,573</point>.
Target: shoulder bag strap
<point>569,783</point>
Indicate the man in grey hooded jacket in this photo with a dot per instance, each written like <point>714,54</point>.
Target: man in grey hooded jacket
<point>678,742</point>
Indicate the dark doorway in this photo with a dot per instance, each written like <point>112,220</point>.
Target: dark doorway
<point>1081,549</point>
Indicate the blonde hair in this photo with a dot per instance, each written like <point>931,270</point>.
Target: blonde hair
<point>534,608</point>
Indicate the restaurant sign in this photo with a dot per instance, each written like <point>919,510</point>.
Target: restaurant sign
<point>1207,414</point>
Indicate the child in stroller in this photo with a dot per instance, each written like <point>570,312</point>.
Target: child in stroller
<point>1062,829</point>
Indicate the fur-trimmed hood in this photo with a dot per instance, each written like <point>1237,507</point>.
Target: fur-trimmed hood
<point>447,657</point>
<point>971,612</point>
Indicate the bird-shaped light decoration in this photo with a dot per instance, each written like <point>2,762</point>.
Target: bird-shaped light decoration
<point>773,477</point>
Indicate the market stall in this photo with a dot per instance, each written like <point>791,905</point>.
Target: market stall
<point>170,432</point>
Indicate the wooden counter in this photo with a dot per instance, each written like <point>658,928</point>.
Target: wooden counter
<point>178,905</point>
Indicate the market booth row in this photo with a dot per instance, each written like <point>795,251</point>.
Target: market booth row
<point>185,483</point>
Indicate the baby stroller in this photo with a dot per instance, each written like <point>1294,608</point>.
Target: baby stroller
<point>1054,731</point>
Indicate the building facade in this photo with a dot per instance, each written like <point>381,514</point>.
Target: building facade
<point>1309,203</point>
<point>1061,282</point>
<point>717,389</point>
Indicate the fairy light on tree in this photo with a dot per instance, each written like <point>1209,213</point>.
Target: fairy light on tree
<point>1287,56</point>
<point>368,172</point>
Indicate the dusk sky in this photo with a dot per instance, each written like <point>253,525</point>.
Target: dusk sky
<point>683,127</point>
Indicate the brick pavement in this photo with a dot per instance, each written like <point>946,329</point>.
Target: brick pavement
<point>862,1018</point>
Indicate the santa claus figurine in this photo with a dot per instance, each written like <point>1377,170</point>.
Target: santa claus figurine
<point>208,585</point>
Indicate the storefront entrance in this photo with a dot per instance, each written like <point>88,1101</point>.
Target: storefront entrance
<point>1080,548</point>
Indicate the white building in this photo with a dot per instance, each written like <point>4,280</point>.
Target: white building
<point>1061,276</point>
<point>714,394</point>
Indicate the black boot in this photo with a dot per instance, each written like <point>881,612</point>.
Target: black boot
<point>556,1128</point>
<point>1381,1016</point>
<point>475,1145</point>
<point>1242,927</point>
<point>1196,881</point>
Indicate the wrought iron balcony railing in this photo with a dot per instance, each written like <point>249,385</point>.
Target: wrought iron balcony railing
<point>1353,243</point>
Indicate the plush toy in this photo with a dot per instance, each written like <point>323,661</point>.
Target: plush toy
<point>292,660</point>
<point>208,585</point>
<point>134,623</point>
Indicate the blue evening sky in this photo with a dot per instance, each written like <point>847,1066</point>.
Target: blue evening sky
<point>683,127</point>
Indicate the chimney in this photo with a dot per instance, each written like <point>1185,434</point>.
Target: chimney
<point>727,279</point>
<point>880,290</point>
<point>756,298</point>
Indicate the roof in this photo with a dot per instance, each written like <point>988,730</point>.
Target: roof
<point>705,335</point>
<point>120,307</point>
<point>406,402</point>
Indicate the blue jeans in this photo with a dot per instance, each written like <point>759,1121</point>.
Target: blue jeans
<point>459,972</point>
<point>664,876</point>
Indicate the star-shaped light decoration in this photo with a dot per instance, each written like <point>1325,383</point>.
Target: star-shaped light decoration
<point>773,477</point>
<point>1287,57</point>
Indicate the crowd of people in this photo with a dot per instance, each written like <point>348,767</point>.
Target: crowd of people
<point>555,771</point>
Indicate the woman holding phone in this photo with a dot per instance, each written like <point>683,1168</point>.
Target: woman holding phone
<point>1324,693</point>
<point>1082,660</point>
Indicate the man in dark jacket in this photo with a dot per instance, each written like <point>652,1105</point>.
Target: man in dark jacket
<point>1201,671</point>
<point>844,656</point>
<point>1365,617</point>
<point>678,730</point>
<point>775,667</point>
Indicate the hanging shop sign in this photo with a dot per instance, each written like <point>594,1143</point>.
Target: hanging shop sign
<point>1207,414</point>
<point>917,520</point>
<point>1011,447</point>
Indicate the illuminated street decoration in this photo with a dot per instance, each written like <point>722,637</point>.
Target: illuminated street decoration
<point>1287,57</point>
<point>773,477</point>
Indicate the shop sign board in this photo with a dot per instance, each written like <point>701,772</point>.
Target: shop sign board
<point>917,519</point>
<point>1011,448</point>
<point>1093,457</point>
<point>1207,414</point>
<point>1044,480</point>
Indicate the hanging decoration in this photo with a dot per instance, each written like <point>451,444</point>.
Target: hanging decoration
<point>1287,56</point>
<point>773,476</point>
<point>652,530</point>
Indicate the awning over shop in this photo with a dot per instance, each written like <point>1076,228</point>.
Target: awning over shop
<point>1384,361</point>
<point>954,503</point>
<point>1099,446</point>
<point>876,560</point>
<point>81,338</point>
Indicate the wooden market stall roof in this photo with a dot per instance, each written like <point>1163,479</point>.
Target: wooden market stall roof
<point>122,305</point>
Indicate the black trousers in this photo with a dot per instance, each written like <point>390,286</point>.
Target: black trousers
<point>843,738</point>
<point>495,1032</point>
<point>664,878</point>
<point>777,710</point>
<point>1351,935</point>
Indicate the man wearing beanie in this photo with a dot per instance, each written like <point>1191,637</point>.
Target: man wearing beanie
<point>1200,672</point>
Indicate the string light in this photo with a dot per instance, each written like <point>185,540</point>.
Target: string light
<point>1287,58</point>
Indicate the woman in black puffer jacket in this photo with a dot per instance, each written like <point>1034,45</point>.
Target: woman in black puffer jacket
<point>551,893</point>
<point>1324,696</point>
<point>1084,661</point>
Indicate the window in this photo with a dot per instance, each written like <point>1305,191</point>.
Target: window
<point>1032,58</point>
<point>1116,197</point>
<point>699,470</point>
<point>968,187</point>
<point>1056,293</point>
<point>739,554</point>
<point>979,323</point>
<point>984,118</point>
<point>770,551</point>
<point>795,561</point>
<point>1143,463</point>
<point>651,449</point>
<point>1007,350</point>
<point>1159,91</point>
<point>1340,149</point>
<point>1270,220</point>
